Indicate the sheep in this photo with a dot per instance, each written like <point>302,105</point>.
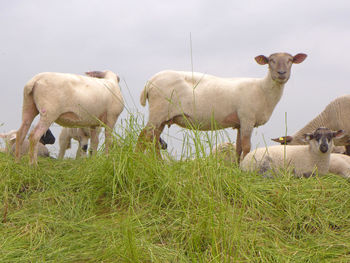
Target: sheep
<point>10,143</point>
<point>225,151</point>
<point>334,116</point>
<point>82,135</point>
<point>205,102</point>
<point>9,139</point>
<point>302,160</point>
<point>71,101</point>
<point>340,165</point>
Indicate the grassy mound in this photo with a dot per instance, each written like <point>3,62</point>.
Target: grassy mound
<point>131,207</point>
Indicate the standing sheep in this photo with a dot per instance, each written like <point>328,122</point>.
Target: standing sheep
<point>205,102</point>
<point>303,160</point>
<point>335,117</point>
<point>82,135</point>
<point>71,101</point>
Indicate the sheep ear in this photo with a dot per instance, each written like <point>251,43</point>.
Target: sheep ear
<point>96,74</point>
<point>283,139</point>
<point>298,58</point>
<point>338,134</point>
<point>308,137</point>
<point>261,60</point>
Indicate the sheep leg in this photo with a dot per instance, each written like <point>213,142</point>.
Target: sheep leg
<point>94,140</point>
<point>64,141</point>
<point>111,120</point>
<point>79,151</point>
<point>238,145</point>
<point>149,135</point>
<point>108,138</point>
<point>28,116</point>
<point>156,138</point>
<point>246,133</point>
<point>34,138</point>
<point>145,137</point>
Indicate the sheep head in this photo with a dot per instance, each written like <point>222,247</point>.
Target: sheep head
<point>280,64</point>
<point>322,139</point>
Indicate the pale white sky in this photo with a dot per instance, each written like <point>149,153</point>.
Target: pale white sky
<point>136,39</point>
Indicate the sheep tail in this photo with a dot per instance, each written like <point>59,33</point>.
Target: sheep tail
<point>144,96</point>
<point>29,88</point>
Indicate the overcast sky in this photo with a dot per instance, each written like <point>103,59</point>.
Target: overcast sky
<point>136,39</point>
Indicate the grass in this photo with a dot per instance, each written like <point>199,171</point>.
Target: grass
<point>131,207</point>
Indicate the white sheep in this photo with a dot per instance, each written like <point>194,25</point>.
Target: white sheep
<point>335,117</point>
<point>9,139</point>
<point>10,144</point>
<point>71,101</point>
<point>302,160</point>
<point>82,135</point>
<point>340,164</point>
<point>205,102</point>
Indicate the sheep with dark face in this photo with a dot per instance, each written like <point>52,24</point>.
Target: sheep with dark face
<point>302,160</point>
<point>205,102</point>
<point>10,143</point>
<point>71,101</point>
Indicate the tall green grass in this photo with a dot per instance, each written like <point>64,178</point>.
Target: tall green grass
<point>132,207</point>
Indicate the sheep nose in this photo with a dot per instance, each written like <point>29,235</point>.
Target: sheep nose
<point>84,148</point>
<point>282,72</point>
<point>324,148</point>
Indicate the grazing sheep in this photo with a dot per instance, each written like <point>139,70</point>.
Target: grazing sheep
<point>82,135</point>
<point>335,117</point>
<point>225,151</point>
<point>340,164</point>
<point>303,160</point>
<point>10,143</point>
<point>71,101</point>
<point>205,102</point>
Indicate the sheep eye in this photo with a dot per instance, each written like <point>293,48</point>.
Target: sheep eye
<point>318,137</point>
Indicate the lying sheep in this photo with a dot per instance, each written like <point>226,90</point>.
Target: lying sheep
<point>225,151</point>
<point>10,143</point>
<point>205,102</point>
<point>70,100</point>
<point>335,117</point>
<point>82,135</point>
<point>302,160</point>
<point>340,164</point>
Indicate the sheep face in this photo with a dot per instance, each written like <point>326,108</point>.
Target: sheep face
<point>47,138</point>
<point>322,139</point>
<point>280,64</point>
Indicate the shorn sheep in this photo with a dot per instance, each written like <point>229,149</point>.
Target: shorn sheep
<point>81,135</point>
<point>205,102</point>
<point>72,101</point>
<point>302,160</point>
<point>335,117</point>
<point>10,143</point>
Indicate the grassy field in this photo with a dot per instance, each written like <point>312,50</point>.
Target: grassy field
<point>131,207</point>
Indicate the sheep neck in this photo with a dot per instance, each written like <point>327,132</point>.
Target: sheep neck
<point>272,91</point>
<point>321,160</point>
